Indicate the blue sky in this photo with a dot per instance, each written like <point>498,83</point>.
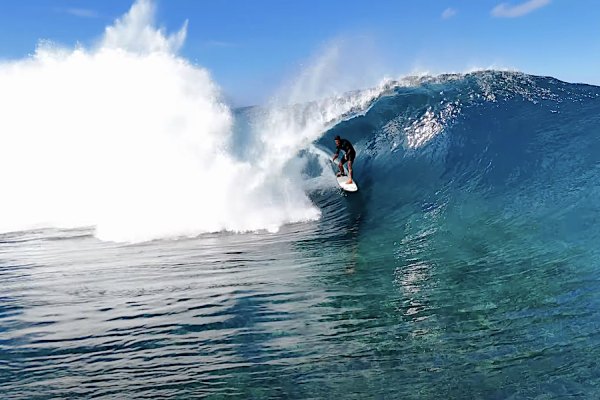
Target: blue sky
<point>252,47</point>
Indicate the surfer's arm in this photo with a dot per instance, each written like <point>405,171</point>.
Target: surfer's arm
<point>336,154</point>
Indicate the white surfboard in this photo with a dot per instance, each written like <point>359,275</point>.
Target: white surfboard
<point>347,187</point>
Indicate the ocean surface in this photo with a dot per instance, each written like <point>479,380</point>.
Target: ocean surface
<point>467,266</point>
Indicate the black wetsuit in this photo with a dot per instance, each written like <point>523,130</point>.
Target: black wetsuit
<point>348,149</point>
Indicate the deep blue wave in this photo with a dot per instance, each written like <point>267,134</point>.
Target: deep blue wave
<point>460,149</point>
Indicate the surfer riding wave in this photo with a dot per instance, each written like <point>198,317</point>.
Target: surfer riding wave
<point>349,156</point>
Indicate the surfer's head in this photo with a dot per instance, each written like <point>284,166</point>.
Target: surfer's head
<point>337,139</point>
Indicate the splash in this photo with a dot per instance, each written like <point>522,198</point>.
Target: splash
<point>130,138</point>
<point>322,95</point>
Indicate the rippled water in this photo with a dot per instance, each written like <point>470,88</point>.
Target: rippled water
<point>319,310</point>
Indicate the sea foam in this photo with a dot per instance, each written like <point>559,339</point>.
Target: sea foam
<point>133,139</point>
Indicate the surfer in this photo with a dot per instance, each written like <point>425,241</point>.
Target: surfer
<point>346,146</point>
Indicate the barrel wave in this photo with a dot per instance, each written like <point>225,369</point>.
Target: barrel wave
<point>484,160</point>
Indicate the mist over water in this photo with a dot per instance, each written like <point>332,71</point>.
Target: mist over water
<point>134,140</point>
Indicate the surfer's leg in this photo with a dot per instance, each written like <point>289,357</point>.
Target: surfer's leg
<point>341,166</point>
<point>349,172</point>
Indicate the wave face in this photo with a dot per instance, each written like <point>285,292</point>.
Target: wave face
<point>480,157</point>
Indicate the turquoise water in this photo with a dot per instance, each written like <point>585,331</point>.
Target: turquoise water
<point>466,266</point>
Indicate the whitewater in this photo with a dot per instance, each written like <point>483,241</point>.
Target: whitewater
<point>130,138</point>
<point>157,243</point>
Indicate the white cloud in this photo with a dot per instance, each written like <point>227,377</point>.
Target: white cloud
<point>449,13</point>
<point>506,10</point>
